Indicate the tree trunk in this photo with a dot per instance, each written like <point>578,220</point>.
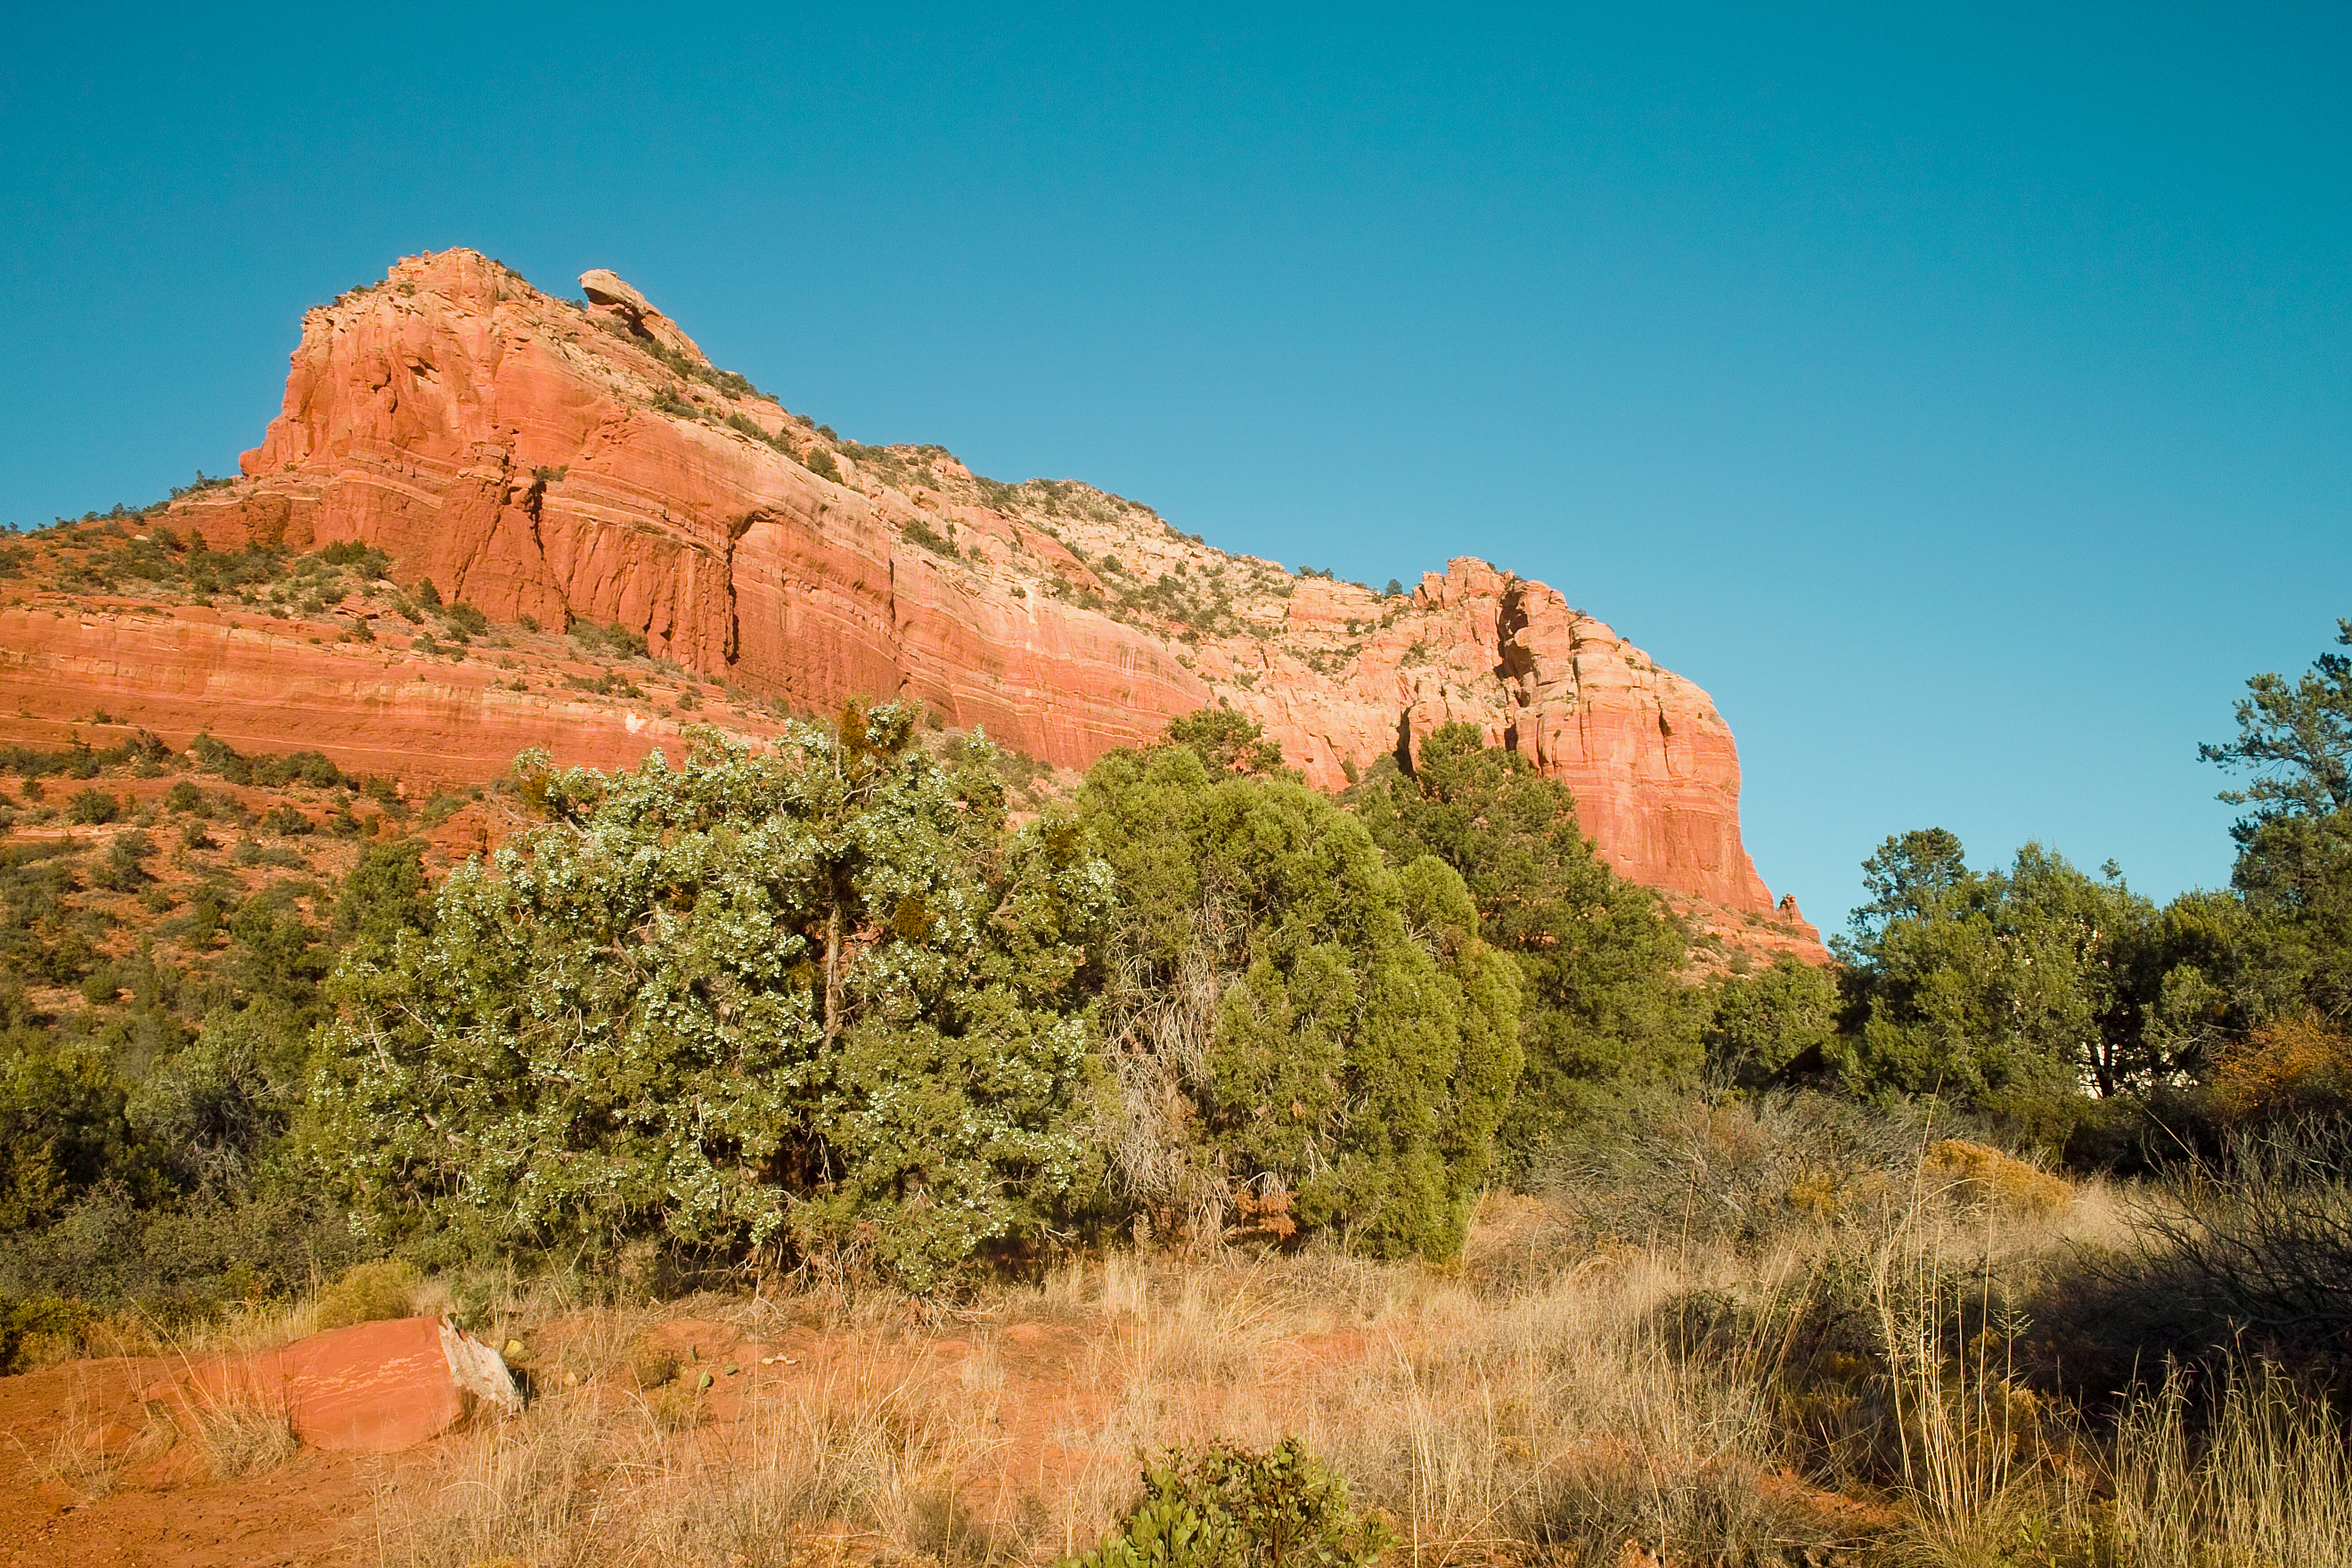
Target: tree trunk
<point>833,976</point>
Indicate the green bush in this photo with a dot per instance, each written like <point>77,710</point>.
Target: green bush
<point>616,640</point>
<point>814,998</point>
<point>26,1319</point>
<point>123,871</point>
<point>97,988</point>
<point>370,1292</point>
<point>210,1113</point>
<point>1770,1023</point>
<point>365,560</point>
<point>90,806</point>
<point>921,532</point>
<point>1228,742</point>
<point>272,770</point>
<point>78,760</point>
<point>2000,990</point>
<point>62,1128</point>
<point>1225,1507</point>
<point>116,1246</point>
<point>1608,1018</point>
<point>286,821</point>
<point>1349,1041</point>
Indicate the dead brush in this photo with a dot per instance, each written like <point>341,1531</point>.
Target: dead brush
<point>541,1489</point>
<point>870,1444</point>
<point>1211,1328</point>
<point>1983,1459</point>
<point>237,1433</point>
<point>87,1453</point>
<point>877,1451</point>
<point>1564,1419</point>
<point>1704,1401</point>
<point>652,1359</point>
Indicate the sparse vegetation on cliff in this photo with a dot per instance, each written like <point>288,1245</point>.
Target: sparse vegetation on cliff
<point>921,532</point>
<point>615,641</point>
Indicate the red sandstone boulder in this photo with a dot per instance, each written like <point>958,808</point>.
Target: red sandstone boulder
<point>608,293</point>
<point>373,1388</point>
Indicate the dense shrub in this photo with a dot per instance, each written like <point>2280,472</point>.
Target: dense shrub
<point>91,806</point>
<point>1772,1024</point>
<point>815,998</point>
<point>1607,1014</point>
<point>2283,1070</point>
<point>24,1320</point>
<point>116,1245</point>
<point>210,1111</point>
<point>1740,1175</point>
<point>62,1127</point>
<point>364,560</point>
<point>369,1292</point>
<point>1227,1507</point>
<point>1347,1039</point>
<point>615,641</point>
<point>466,620</point>
<point>919,532</point>
<point>267,769</point>
<point>1996,990</point>
<point>2245,1251</point>
<point>123,869</point>
<point>2293,874</point>
<point>37,940</point>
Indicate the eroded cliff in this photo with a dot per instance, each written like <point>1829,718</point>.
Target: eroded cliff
<point>553,461</point>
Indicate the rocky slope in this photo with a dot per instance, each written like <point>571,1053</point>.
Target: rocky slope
<point>553,462</point>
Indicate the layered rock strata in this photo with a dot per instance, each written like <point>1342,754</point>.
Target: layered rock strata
<point>567,462</point>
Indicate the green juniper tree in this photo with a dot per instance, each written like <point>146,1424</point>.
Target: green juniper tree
<point>1606,1015</point>
<point>2006,991</point>
<point>814,997</point>
<point>1772,1024</point>
<point>2294,843</point>
<point>1304,1035</point>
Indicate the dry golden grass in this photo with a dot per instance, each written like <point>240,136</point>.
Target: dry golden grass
<point>1548,1416</point>
<point>2271,1485</point>
<point>868,1456</point>
<point>1549,1399</point>
<point>237,1435</point>
<point>88,1453</point>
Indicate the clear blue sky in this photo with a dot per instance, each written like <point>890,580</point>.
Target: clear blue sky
<point>1962,396</point>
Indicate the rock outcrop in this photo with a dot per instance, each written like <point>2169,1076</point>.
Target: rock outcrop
<point>373,1388</point>
<point>267,685</point>
<point>564,462</point>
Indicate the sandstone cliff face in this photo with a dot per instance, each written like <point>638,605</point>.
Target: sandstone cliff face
<point>561,461</point>
<point>267,685</point>
<point>510,447</point>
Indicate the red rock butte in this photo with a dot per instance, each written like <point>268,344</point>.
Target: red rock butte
<point>566,461</point>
